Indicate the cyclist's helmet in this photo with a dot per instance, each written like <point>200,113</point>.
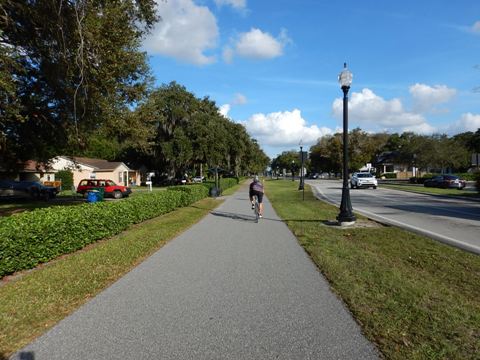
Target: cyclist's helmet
<point>255,178</point>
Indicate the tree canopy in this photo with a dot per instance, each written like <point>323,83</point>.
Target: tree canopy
<point>426,151</point>
<point>72,68</point>
<point>186,133</point>
<point>74,82</point>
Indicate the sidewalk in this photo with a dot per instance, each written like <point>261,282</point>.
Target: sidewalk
<point>227,288</point>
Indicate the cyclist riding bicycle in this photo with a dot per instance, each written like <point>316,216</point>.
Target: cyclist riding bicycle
<point>256,188</point>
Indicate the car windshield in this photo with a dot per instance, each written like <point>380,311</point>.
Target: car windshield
<point>364,175</point>
<point>110,183</point>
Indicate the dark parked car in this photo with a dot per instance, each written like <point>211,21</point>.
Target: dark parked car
<point>445,181</point>
<point>27,189</point>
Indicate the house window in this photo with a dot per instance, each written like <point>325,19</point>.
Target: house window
<point>120,177</point>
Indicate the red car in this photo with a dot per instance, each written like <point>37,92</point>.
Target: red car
<point>110,188</point>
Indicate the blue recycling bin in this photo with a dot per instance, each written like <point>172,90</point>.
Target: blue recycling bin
<point>92,196</point>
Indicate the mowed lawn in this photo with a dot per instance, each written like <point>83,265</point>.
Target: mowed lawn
<point>415,298</point>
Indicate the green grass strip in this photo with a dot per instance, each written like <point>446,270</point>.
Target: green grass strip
<point>433,191</point>
<point>414,297</point>
<point>38,299</point>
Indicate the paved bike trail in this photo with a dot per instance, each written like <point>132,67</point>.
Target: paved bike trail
<point>227,288</point>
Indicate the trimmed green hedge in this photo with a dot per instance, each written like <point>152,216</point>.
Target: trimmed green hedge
<point>466,176</point>
<point>389,175</point>
<point>224,183</point>
<point>35,237</point>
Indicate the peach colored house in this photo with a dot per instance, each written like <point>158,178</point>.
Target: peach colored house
<point>87,168</point>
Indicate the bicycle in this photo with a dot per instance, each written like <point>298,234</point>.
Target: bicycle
<point>256,208</point>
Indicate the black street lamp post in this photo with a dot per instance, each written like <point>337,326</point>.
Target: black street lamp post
<point>414,169</point>
<point>300,186</point>
<point>345,217</point>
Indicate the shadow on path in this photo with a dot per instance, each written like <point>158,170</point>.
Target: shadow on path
<point>250,218</point>
<point>234,216</point>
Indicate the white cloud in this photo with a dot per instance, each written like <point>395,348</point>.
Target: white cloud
<point>468,122</point>
<point>237,4</point>
<point>239,99</point>
<point>476,27</point>
<point>224,109</point>
<point>228,54</point>
<point>370,109</point>
<point>283,129</point>
<point>422,128</point>
<point>257,44</point>
<point>425,97</point>
<point>185,32</point>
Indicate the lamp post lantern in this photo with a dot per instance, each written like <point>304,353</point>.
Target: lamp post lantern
<point>345,217</point>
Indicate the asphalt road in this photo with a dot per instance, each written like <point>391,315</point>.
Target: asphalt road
<point>227,288</point>
<point>452,221</point>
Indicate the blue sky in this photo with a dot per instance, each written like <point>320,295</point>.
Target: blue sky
<point>273,64</point>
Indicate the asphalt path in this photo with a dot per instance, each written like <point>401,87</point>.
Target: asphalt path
<point>227,288</point>
<point>453,221</point>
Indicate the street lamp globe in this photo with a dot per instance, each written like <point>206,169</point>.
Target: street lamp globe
<point>345,77</point>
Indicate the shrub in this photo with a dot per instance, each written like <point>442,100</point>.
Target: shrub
<point>195,192</point>
<point>466,176</point>
<point>66,177</point>
<point>389,175</point>
<point>224,183</point>
<point>35,237</point>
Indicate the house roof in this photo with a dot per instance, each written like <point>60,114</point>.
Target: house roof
<point>386,157</point>
<point>35,166</point>
<point>98,164</point>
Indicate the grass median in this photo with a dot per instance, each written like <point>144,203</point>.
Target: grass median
<point>415,298</point>
<point>434,191</point>
<point>32,302</point>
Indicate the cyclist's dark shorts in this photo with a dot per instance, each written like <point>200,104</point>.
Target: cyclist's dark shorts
<point>259,195</point>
